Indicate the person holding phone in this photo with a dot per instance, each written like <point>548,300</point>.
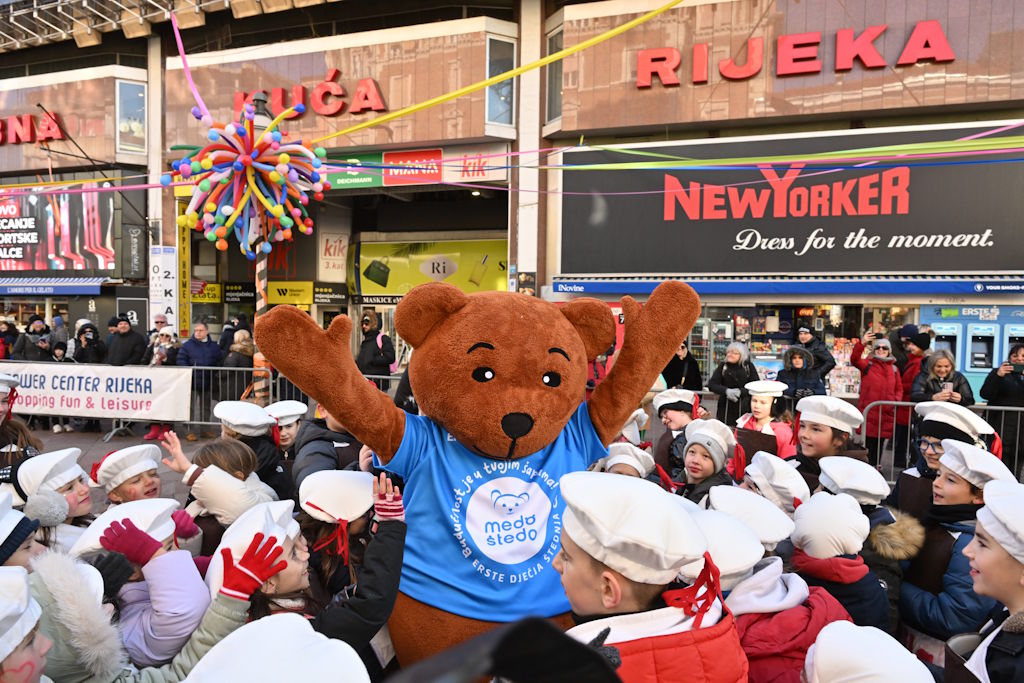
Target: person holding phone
<point>880,381</point>
<point>1004,386</point>
<point>940,382</point>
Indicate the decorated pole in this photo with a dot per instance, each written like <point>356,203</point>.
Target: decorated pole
<point>261,367</point>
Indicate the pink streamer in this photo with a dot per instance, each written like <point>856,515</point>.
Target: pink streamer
<point>184,66</point>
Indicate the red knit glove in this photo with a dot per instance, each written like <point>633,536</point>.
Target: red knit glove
<point>184,526</point>
<point>387,501</point>
<point>252,571</point>
<point>126,538</point>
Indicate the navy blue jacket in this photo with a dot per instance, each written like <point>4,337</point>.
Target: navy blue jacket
<point>865,599</point>
<point>196,353</point>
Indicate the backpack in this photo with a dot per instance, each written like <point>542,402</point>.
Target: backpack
<point>393,367</point>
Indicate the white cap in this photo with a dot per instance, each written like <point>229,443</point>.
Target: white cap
<point>959,418</point>
<point>248,419</point>
<point>270,519</point>
<point>830,525</point>
<point>266,650</point>
<point>152,515</point>
<point>733,546</point>
<point>974,464</point>
<point>119,466</point>
<point>777,480</point>
<point>19,612</point>
<point>636,422</point>
<point>671,396</point>
<point>334,495</point>
<point>716,437</point>
<point>631,525</point>
<point>1003,516</point>
<point>168,330</point>
<point>8,382</point>
<point>829,411</point>
<point>627,454</point>
<point>766,387</point>
<point>44,472</point>
<point>287,412</point>
<point>762,516</point>
<point>847,653</point>
<point>855,477</point>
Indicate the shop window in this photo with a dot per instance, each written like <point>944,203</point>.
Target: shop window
<point>131,117</point>
<point>501,57</point>
<point>554,75</point>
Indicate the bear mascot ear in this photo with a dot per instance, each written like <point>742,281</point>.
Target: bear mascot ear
<point>594,322</point>
<point>419,311</point>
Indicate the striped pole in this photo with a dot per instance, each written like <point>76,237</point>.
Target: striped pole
<point>261,367</point>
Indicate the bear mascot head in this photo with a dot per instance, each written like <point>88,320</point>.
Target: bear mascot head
<point>500,380</point>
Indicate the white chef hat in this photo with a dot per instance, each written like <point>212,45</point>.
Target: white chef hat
<point>766,387</point>
<point>248,419</point>
<point>762,516</point>
<point>777,480</point>
<point>43,472</point>
<point>855,477</point>
<point>19,612</point>
<point>117,467</point>
<point>682,400</point>
<point>974,464</point>
<point>846,653</point>
<point>254,653</point>
<point>829,411</point>
<point>627,454</point>
<point>715,437</point>
<point>636,422</point>
<point>1003,516</point>
<point>270,519</point>
<point>631,525</point>
<point>8,382</point>
<point>829,525</point>
<point>151,515</point>
<point>287,412</point>
<point>733,546</point>
<point>334,495</point>
<point>945,420</point>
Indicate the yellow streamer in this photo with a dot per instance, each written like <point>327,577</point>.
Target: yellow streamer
<point>493,80</point>
<point>61,183</point>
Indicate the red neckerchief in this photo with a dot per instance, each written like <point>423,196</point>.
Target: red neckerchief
<point>666,481</point>
<point>838,569</point>
<point>692,600</point>
<point>12,398</point>
<point>339,538</point>
<point>94,473</point>
<point>796,429</point>
<point>696,407</point>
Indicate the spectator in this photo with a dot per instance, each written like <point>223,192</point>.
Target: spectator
<point>823,360</point>
<point>683,370</point>
<point>376,352</point>
<point>60,355</point>
<point>162,352</point>
<point>240,356</point>
<point>941,382</point>
<point>60,331</point>
<point>34,345</point>
<point>1004,386</point>
<point>880,381</point>
<point>916,349</point>
<point>159,323</point>
<point>799,376</point>
<point>899,339</point>
<point>90,349</point>
<point>729,380</point>
<point>199,352</point>
<point>111,329</point>
<point>127,346</point>
<point>235,323</point>
<point>9,334</point>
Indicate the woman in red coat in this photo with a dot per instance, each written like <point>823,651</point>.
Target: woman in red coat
<point>880,381</point>
<point>917,346</point>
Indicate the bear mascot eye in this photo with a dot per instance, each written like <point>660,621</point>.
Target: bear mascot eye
<point>552,379</point>
<point>483,374</point>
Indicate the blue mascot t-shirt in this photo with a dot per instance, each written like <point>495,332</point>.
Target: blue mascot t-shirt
<point>482,533</point>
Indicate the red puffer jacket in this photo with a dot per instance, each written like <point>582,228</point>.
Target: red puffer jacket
<point>879,381</point>
<point>706,655</point>
<point>909,373</point>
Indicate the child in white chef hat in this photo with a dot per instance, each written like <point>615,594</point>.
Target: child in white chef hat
<point>23,647</point>
<point>55,472</point>
<point>624,541</point>
<point>289,416</point>
<point>18,544</point>
<point>676,408</point>
<point>709,445</point>
<point>253,426</point>
<point>128,474</point>
<point>846,653</point>
<point>625,458</point>
<point>824,426</point>
<point>776,480</point>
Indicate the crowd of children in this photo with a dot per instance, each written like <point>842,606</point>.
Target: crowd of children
<point>691,560</point>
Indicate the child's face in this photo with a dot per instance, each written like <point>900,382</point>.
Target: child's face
<point>145,485</point>
<point>761,407</point>
<point>27,662</point>
<point>59,353</point>
<point>676,420</point>
<point>581,578</point>
<point>699,464</point>
<point>932,450</point>
<point>798,361</point>
<point>952,489</point>
<point>996,573</point>
<point>294,577</point>
<point>76,493</point>
<point>23,556</point>
<point>816,440</point>
<point>288,433</point>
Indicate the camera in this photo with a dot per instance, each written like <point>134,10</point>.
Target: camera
<point>90,335</point>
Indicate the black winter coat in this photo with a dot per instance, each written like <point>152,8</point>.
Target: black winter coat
<point>269,468</point>
<point>235,382</point>
<point>683,372</point>
<point>27,349</point>
<point>924,388</point>
<point>403,395</point>
<point>1005,391</point>
<point>823,360</point>
<point>865,599</point>
<point>696,492</point>
<point>126,349</point>
<point>376,361</point>
<point>732,376</point>
<point>1004,661</point>
<point>315,450</point>
<point>95,351</point>
<point>171,359</point>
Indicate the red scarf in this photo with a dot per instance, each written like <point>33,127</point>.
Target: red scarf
<point>837,569</point>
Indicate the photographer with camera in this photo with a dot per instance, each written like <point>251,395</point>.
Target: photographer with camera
<point>1004,386</point>
<point>90,349</point>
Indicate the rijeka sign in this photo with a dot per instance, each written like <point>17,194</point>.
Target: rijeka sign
<point>29,128</point>
<point>796,54</point>
<point>328,98</point>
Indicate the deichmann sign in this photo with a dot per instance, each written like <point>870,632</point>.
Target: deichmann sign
<point>792,218</point>
<point>81,390</point>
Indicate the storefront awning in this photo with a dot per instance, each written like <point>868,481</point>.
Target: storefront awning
<point>48,286</point>
<point>794,286</point>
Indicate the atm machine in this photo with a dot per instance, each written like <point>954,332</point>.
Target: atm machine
<point>1012,334</point>
<point>948,337</point>
<point>983,350</point>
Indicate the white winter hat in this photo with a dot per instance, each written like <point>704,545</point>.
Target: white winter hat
<point>270,519</point>
<point>777,480</point>
<point>974,464</point>
<point>19,611</point>
<point>8,382</point>
<point>255,652</point>
<point>287,412</point>
<point>151,515</point>
<point>733,546</point>
<point>829,411</point>
<point>168,330</point>
<point>43,472</point>
<point>631,525</point>
<point>766,387</point>
<point>627,454</point>
<point>248,419</point>
<point>846,653</point>
<point>855,477</point>
<point>945,420</point>
<point>636,422</point>
<point>762,516</point>
<point>335,495</point>
<point>830,525</point>
<point>715,437</point>
<point>117,467</point>
<point>670,397</point>
<point>1003,516</point>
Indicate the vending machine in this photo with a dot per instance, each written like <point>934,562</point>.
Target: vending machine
<point>948,337</point>
<point>983,350</point>
<point>1012,335</point>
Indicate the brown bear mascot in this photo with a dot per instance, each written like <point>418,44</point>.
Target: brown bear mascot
<point>500,379</point>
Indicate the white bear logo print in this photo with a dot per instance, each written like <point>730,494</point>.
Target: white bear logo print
<point>507,518</point>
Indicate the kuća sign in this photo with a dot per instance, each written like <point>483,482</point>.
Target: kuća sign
<point>793,218</point>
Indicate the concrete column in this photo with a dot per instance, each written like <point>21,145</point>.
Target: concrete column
<point>527,225</point>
